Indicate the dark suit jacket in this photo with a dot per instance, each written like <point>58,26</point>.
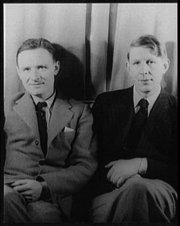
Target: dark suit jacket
<point>71,159</point>
<point>113,112</point>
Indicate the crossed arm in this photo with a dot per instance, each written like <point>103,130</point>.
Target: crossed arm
<point>66,180</point>
<point>30,189</point>
<point>121,170</point>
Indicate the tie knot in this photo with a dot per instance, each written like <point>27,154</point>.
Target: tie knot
<point>143,103</point>
<point>40,105</point>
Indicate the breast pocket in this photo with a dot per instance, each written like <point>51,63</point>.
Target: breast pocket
<point>61,147</point>
<point>68,136</point>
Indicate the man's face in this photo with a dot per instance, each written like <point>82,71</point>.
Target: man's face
<point>36,70</point>
<point>146,70</point>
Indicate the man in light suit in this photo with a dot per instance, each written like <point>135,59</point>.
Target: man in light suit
<point>136,179</point>
<point>46,162</point>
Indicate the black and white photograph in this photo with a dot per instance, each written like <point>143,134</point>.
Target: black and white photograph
<point>89,122</point>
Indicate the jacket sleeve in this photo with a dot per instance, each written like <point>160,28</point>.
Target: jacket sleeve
<point>166,169</point>
<point>82,162</point>
<point>163,171</point>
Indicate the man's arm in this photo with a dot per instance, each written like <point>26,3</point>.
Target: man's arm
<point>165,168</point>
<point>120,170</point>
<point>163,171</point>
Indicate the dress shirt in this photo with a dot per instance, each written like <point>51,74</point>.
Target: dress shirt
<point>151,100</point>
<point>48,108</point>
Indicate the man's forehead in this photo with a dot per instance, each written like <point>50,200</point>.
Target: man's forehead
<point>139,52</point>
<point>34,56</point>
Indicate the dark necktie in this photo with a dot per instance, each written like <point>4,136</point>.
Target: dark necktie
<point>42,124</point>
<point>137,125</point>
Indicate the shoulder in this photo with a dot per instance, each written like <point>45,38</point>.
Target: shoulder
<point>113,96</point>
<point>79,106</point>
<point>73,103</point>
<point>168,103</point>
<point>76,103</point>
<point>173,100</point>
<point>15,97</point>
<point>170,100</point>
<point>12,100</point>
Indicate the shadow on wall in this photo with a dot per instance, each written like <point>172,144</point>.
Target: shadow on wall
<point>168,77</point>
<point>70,80</point>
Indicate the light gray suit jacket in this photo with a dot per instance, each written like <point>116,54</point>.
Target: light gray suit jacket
<point>71,156</point>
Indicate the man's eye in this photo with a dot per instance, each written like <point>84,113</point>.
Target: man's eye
<point>136,62</point>
<point>41,67</point>
<point>150,62</point>
<point>26,69</point>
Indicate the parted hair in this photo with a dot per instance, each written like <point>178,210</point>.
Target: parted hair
<point>34,43</point>
<point>150,41</point>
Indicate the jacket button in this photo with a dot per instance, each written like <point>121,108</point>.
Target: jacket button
<point>36,142</point>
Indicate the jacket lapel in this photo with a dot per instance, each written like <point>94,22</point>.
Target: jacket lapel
<point>26,110</point>
<point>157,128</point>
<point>61,115</point>
<point>128,113</point>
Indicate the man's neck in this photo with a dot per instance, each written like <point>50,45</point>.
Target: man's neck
<point>150,98</point>
<point>48,100</point>
<point>42,99</point>
<point>148,94</point>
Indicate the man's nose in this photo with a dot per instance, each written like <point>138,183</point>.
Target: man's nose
<point>35,74</point>
<point>144,68</point>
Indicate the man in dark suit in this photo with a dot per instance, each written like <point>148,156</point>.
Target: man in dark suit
<point>50,147</point>
<point>137,143</point>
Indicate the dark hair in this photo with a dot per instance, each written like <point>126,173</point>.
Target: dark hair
<point>35,44</point>
<point>151,42</point>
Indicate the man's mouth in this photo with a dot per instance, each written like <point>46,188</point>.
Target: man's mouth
<point>146,80</point>
<point>36,84</point>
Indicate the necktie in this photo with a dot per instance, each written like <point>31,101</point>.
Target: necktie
<point>42,124</point>
<point>137,125</point>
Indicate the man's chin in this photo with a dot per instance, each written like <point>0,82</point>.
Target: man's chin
<point>146,90</point>
<point>37,93</point>
<point>149,91</point>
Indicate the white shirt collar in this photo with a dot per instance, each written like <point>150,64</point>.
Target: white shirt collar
<point>49,101</point>
<point>151,99</point>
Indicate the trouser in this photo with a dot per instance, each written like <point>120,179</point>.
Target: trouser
<point>137,200</point>
<point>17,210</point>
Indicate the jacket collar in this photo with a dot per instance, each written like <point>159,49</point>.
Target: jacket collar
<point>26,110</point>
<point>61,114</point>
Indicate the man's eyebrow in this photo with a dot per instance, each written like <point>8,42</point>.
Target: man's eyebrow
<point>23,67</point>
<point>41,65</point>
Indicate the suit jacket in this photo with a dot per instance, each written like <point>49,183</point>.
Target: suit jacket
<point>113,113</point>
<point>71,154</point>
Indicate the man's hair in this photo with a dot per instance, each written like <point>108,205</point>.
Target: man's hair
<point>35,44</point>
<point>151,42</point>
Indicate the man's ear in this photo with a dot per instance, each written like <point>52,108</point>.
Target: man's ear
<point>166,64</point>
<point>127,66</point>
<point>57,67</point>
<point>18,71</point>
